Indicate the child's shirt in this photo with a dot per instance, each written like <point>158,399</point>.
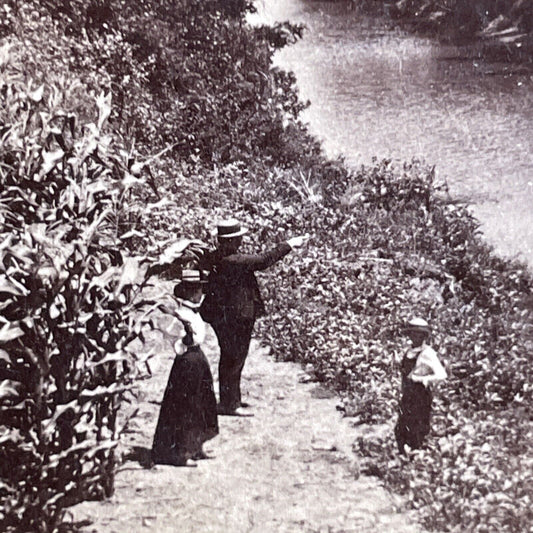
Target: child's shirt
<point>428,367</point>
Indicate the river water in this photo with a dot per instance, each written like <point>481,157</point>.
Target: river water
<point>381,92</point>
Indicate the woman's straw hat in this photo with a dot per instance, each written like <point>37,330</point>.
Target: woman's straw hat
<point>189,279</point>
<point>191,276</point>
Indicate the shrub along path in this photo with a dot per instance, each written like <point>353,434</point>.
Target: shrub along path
<point>289,468</point>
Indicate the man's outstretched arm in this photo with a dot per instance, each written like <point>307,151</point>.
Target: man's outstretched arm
<point>265,259</point>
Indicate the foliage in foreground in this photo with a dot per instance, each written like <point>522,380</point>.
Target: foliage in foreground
<point>72,202</point>
<point>67,301</point>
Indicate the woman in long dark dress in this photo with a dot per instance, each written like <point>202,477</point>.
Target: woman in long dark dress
<point>188,415</point>
<point>420,366</point>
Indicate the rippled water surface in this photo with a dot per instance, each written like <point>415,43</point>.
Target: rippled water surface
<point>380,92</point>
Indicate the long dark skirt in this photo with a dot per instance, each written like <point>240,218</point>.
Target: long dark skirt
<point>188,415</point>
<point>414,416</point>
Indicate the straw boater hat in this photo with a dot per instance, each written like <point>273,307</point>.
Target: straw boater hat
<point>418,324</point>
<point>226,229</point>
<point>191,277</point>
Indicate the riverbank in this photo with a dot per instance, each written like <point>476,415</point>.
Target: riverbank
<point>381,92</point>
<point>209,130</point>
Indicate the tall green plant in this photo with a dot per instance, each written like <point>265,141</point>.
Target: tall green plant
<point>68,302</point>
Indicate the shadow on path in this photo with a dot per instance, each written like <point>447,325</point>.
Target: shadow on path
<point>140,455</point>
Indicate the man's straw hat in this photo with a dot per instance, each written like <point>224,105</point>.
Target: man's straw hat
<point>226,229</point>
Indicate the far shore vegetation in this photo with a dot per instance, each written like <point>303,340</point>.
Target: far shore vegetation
<point>501,29</point>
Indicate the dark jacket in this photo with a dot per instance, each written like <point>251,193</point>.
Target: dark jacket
<point>232,291</point>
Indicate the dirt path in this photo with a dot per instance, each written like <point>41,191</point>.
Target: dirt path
<point>288,469</point>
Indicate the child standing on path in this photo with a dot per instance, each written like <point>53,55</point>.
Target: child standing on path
<point>420,366</point>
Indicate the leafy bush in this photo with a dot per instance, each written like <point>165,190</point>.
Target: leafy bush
<point>67,300</point>
<point>396,247</point>
<point>199,76</point>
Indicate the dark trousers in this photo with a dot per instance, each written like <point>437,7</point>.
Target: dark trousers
<point>234,335</point>
<point>413,424</point>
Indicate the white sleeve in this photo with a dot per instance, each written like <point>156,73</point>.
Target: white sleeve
<point>428,358</point>
<point>197,324</point>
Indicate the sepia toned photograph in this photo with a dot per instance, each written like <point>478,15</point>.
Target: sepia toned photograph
<point>266,266</point>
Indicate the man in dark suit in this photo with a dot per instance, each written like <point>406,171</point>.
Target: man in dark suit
<point>233,303</point>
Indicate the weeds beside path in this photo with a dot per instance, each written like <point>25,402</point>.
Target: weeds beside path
<point>290,468</point>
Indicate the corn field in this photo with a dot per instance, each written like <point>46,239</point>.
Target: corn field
<point>69,303</point>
